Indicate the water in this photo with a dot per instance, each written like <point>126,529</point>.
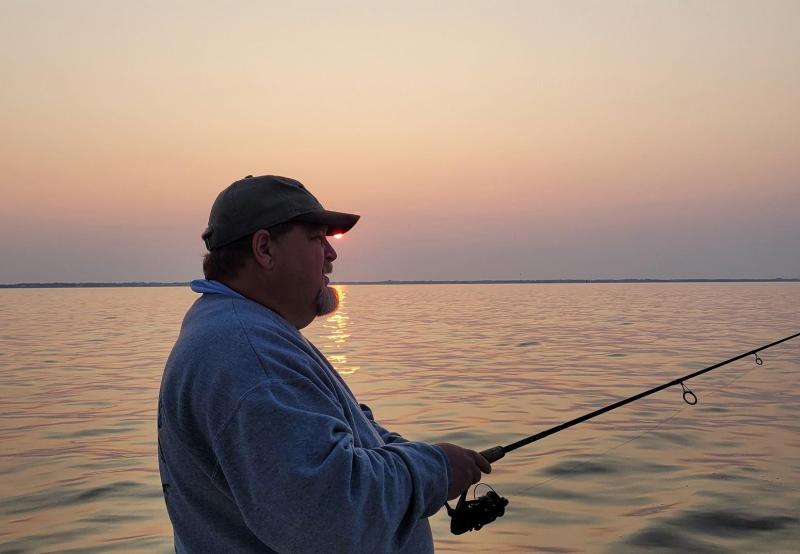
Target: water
<point>477,365</point>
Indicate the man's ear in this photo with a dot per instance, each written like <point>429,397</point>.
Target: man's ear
<point>262,249</point>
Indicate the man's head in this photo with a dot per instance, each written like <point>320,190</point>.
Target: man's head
<point>267,239</point>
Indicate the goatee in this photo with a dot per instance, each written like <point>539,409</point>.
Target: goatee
<point>327,301</point>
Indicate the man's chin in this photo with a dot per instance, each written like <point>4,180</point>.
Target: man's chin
<point>327,301</point>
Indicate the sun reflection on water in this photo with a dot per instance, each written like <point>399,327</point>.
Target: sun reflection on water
<point>337,336</point>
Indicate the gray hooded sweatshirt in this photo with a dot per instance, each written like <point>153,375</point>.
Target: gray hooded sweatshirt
<point>264,448</point>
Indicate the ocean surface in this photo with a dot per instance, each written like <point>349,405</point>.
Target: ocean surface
<point>476,365</point>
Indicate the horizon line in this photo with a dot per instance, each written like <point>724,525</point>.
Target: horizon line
<point>124,284</point>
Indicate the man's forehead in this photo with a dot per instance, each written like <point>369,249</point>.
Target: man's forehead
<point>313,228</point>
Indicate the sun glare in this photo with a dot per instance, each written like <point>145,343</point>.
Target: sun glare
<point>338,235</point>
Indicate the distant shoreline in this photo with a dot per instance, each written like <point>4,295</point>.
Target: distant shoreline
<point>420,282</point>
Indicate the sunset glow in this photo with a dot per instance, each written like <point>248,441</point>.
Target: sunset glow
<point>582,139</point>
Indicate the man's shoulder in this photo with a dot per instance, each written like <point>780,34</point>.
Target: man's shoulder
<point>243,334</point>
<point>226,349</point>
<point>214,317</point>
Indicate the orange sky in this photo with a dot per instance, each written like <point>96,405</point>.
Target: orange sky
<point>477,139</point>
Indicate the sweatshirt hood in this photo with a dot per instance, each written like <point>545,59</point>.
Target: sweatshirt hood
<point>205,286</point>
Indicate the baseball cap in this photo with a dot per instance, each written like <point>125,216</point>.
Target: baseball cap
<point>255,203</point>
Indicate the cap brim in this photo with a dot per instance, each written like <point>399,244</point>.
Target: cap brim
<point>337,222</point>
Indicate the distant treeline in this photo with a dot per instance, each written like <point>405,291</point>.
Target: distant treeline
<point>391,282</point>
<point>568,281</point>
<point>89,285</point>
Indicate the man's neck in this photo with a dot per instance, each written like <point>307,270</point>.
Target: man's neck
<point>257,293</point>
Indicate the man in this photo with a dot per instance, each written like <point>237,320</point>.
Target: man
<point>262,446</point>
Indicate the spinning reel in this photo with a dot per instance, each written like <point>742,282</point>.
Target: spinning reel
<point>472,515</point>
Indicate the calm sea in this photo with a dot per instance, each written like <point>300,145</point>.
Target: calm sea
<point>476,365</point>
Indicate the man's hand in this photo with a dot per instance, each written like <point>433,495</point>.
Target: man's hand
<point>465,467</point>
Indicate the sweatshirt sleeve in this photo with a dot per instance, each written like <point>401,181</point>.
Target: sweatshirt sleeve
<point>288,456</point>
<point>389,437</point>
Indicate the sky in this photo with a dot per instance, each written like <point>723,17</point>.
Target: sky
<point>477,140</point>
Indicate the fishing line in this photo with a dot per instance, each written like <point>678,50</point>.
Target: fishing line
<point>592,457</point>
<point>498,452</point>
<point>470,515</point>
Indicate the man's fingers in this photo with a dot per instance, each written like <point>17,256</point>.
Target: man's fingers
<point>466,465</point>
<point>483,463</point>
<point>476,476</point>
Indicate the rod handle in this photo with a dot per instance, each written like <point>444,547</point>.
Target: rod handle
<point>493,454</point>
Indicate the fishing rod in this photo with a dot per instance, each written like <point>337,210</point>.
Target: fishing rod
<point>471,515</point>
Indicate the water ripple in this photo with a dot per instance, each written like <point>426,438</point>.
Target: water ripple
<point>478,365</point>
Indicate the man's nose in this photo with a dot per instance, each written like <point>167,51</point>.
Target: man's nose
<point>330,253</point>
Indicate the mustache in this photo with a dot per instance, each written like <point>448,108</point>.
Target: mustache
<point>327,268</point>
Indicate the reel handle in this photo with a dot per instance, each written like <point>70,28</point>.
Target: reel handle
<point>493,454</point>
